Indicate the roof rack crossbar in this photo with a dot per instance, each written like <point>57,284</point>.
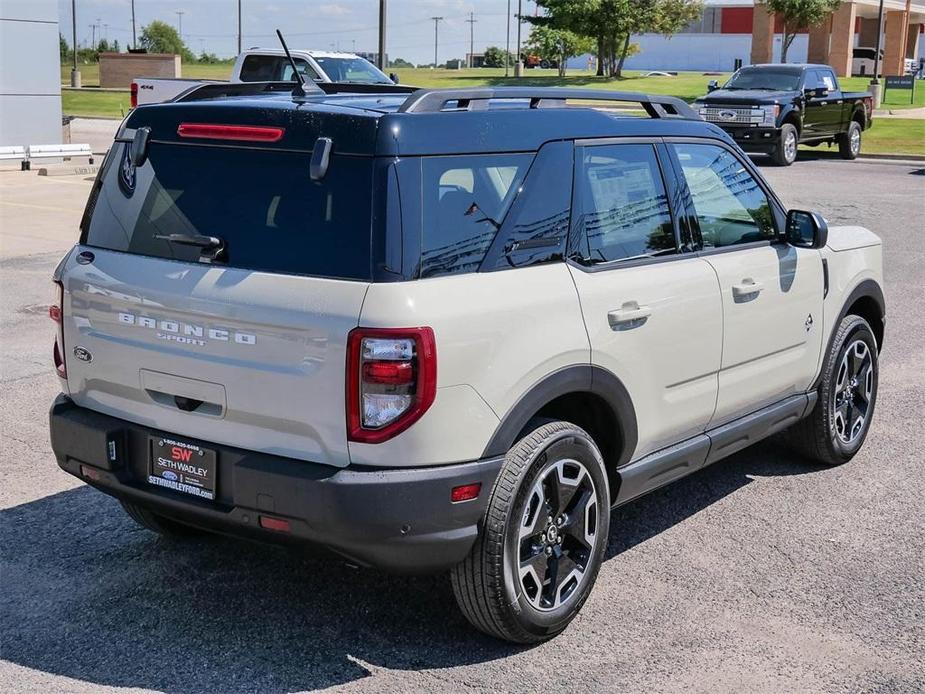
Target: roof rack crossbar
<point>436,100</point>
<point>221,89</point>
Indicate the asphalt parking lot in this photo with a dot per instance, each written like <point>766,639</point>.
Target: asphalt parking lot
<point>761,573</point>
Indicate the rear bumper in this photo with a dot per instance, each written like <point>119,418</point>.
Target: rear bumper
<point>396,519</point>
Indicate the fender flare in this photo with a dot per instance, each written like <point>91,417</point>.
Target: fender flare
<point>583,378</point>
<point>865,289</point>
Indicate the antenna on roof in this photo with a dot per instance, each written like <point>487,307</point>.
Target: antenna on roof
<point>299,78</point>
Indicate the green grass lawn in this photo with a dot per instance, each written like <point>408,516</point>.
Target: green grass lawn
<point>905,136</point>
<point>895,136</point>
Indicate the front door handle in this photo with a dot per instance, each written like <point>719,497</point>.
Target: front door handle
<point>747,287</point>
<point>630,315</point>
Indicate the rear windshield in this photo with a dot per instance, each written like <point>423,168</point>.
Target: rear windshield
<point>262,204</point>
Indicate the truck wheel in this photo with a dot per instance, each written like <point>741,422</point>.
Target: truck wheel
<point>849,143</point>
<point>839,423</point>
<point>543,539</point>
<point>154,522</point>
<point>786,151</point>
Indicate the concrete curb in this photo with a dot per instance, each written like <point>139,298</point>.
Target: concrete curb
<point>894,157</point>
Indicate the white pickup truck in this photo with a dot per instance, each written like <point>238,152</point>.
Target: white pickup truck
<point>269,65</point>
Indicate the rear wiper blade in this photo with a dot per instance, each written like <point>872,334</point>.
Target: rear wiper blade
<point>212,246</point>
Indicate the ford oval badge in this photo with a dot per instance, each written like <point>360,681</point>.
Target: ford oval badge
<point>169,475</point>
<point>83,354</point>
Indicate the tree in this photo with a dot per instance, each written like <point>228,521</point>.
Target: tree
<point>63,48</point>
<point>557,44</point>
<point>497,57</point>
<point>400,62</point>
<point>160,37</point>
<point>611,23</point>
<point>799,14</point>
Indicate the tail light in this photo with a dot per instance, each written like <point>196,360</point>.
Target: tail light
<point>391,380</point>
<point>133,92</point>
<point>56,313</point>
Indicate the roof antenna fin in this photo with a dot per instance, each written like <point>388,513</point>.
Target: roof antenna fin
<point>299,90</point>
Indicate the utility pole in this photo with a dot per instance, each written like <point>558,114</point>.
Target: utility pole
<point>437,21</point>
<point>239,27</point>
<point>518,66</point>
<point>507,43</point>
<point>134,42</point>
<point>93,35</point>
<point>472,20</point>
<point>75,73</point>
<point>381,62</point>
<point>180,14</point>
<point>105,32</point>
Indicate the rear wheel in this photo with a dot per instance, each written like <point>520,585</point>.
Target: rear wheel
<point>154,522</point>
<point>849,143</point>
<point>838,425</point>
<point>543,541</point>
<point>786,151</point>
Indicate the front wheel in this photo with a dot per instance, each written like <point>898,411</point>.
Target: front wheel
<point>543,541</point>
<point>849,143</point>
<point>786,151</point>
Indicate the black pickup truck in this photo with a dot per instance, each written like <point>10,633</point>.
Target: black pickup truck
<point>770,109</point>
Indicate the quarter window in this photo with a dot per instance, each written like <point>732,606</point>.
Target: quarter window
<point>624,207</point>
<point>465,201</point>
<point>729,205</point>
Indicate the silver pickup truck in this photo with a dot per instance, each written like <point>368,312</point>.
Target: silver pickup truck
<point>269,65</point>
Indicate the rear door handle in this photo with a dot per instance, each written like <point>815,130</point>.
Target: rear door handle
<point>746,287</point>
<point>630,315</point>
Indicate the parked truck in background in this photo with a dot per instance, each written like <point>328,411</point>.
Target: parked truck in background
<point>771,109</point>
<point>269,65</point>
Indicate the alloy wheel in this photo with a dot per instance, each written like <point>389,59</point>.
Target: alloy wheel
<point>557,534</point>
<point>854,384</point>
<point>855,141</point>
<point>790,146</point>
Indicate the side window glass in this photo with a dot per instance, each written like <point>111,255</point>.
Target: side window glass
<point>303,67</point>
<point>730,206</point>
<point>536,229</point>
<point>827,79</point>
<point>465,200</point>
<point>624,206</point>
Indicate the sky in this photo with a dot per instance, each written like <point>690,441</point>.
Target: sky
<point>347,25</point>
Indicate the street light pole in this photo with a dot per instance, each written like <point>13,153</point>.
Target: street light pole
<point>75,73</point>
<point>180,14</point>
<point>875,82</point>
<point>518,66</point>
<point>382,63</point>
<point>437,21</point>
<point>239,27</point>
<point>507,43</point>
<point>134,41</point>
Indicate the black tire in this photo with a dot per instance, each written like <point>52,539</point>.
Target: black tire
<point>489,586</point>
<point>154,522</point>
<point>785,153</point>
<point>818,436</point>
<point>849,142</point>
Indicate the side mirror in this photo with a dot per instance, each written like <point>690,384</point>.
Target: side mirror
<point>712,86</point>
<point>138,151</point>
<point>806,229</point>
<point>393,77</point>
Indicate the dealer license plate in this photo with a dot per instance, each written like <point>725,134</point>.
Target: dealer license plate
<point>182,466</point>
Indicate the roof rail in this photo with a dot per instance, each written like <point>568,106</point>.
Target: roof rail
<point>215,90</point>
<point>364,88</point>
<point>436,100</point>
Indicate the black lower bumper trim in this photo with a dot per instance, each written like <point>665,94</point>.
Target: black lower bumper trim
<point>397,519</point>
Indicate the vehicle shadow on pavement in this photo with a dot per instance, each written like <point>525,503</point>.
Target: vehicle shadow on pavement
<point>88,595</point>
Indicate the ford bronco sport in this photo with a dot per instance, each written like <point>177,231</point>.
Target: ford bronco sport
<point>446,330</point>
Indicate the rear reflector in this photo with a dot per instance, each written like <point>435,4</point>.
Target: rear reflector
<point>133,94</point>
<point>247,133</point>
<point>465,492</point>
<point>277,524</point>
